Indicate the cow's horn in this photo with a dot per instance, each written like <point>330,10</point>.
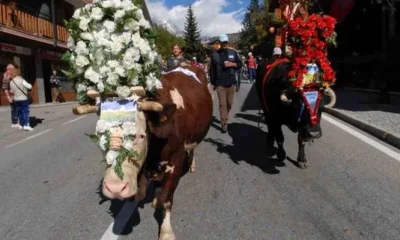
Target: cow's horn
<point>138,90</point>
<point>284,98</point>
<point>84,109</point>
<point>150,106</point>
<point>332,96</point>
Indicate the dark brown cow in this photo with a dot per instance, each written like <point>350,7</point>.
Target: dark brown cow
<point>169,127</point>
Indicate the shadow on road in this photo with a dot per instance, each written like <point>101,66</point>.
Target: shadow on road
<point>125,218</point>
<point>34,121</point>
<point>248,145</point>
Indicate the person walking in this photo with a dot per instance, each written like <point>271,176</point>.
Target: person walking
<point>177,60</point>
<point>6,88</point>
<point>252,65</point>
<point>223,68</point>
<point>19,88</point>
<point>55,81</point>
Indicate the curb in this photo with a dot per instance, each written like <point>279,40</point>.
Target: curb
<point>388,137</point>
<point>7,108</point>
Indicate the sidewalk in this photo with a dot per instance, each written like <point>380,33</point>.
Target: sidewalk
<point>7,108</point>
<point>360,109</point>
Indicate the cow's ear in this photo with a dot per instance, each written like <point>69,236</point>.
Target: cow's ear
<point>169,110</point>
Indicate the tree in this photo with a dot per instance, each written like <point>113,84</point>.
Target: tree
<point>248,35</point>
<point>165,40</point>
<point>193,47</point>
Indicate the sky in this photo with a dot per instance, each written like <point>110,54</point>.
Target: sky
<point>214,17</point>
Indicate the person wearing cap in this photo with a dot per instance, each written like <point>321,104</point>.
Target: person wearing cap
<point>251,66</point>
<point>225,63</point>
<point>177,60</point>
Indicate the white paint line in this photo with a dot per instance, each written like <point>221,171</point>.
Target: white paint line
<point>109,235</point>
<point>29,138</point>
<point>73,120</point>
<point>364,138</point>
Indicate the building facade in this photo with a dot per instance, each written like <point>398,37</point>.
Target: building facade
<point>33,36</point>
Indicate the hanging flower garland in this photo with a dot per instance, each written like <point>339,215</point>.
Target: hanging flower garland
<point>111,50</point>
<point>309,39</point>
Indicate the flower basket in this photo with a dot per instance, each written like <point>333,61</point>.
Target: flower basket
<point>310,38</point>
<point>113,63</point>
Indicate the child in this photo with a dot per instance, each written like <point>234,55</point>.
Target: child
<point>19,87</point>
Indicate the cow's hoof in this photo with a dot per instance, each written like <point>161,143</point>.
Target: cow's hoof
<point>303,165</point>
<point>167,235</point>
<point>281,154</point>
<point>192,169</point>
<point>154,203</point>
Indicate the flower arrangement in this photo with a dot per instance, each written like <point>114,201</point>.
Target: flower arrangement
<point>309,39</point>
<point>112,49</point>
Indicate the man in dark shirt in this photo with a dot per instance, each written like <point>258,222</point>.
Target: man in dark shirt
<point>177,60</point>
<point>223,69</point>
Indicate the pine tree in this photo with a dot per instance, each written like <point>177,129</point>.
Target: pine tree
<point>249,32</point>
<point>193,47</point>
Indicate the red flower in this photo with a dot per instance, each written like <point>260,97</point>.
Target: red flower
<point>294,25</point>
<point>292,73</point>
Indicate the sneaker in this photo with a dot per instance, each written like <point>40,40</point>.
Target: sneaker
<point>27,128</point>
<point>15,126</point>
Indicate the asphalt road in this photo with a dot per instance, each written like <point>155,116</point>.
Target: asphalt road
<point>49,181</point>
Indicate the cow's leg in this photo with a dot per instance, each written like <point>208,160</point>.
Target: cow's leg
<point>191,161</point>
<point>275,134</point>
<point>280,139</point>
<point>173,173</point>
<point>301,157</point>
<point>270,136</point>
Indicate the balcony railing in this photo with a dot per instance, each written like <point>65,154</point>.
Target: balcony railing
<point>25,22</point>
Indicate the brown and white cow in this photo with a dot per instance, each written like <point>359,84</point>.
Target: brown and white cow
<point>169,127</point>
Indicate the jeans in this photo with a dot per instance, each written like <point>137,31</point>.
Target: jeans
<point>23,112</point>
<point>252,73</point>
<point>14,113</point>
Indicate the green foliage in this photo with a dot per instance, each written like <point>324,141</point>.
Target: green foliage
<point>248,35</point>
<point>165,41</point>
<point>193,47</point>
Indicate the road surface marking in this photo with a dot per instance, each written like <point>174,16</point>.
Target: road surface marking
<point>109,235</point>
<point>73,120</point>
<point>29,138</point>
<point>120,221</point>
<point>364,138</point>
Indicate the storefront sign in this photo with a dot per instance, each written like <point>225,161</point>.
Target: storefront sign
<point>6,47</point>
<point>51,55</point>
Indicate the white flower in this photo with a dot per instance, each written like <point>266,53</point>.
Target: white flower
<point>132,55</point>
<point>111,157</point>
<point>128,144</point>
<point>120,71</point>
<point>80,87</point>
<point>71,43</point>
<point>112,79</point>
<point>125,37</point>
<point>127,5</point>
<point>107,4</point>
<point>119,14</point>
<point>109,25</point>
<point>103,142</point>
<point>139,14</point>
<point>81,61</point>
<point>77,13</point>
<point>144,23</point>
<point>138,67</point>
<point>101,126</point>
<point>116,47</point>
<point>81,48</point>
<point>136,39</point>
<point>88,6</point>
<point>104,70</point>
<point>79,70</point>
<point>123,91</point>
<point>144,46</point>
<point>131,24</point>
<point>92,75</point>
<point>100,86</point>
<point>151,81</point>
<point>86,36</point>
<point>113,63</point>
<point>135,81</point>
<point>97,14</point>
<point>128,128</point>
<point>84,24</point>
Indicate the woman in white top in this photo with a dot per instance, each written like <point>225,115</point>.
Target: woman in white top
<point>19,87</point>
